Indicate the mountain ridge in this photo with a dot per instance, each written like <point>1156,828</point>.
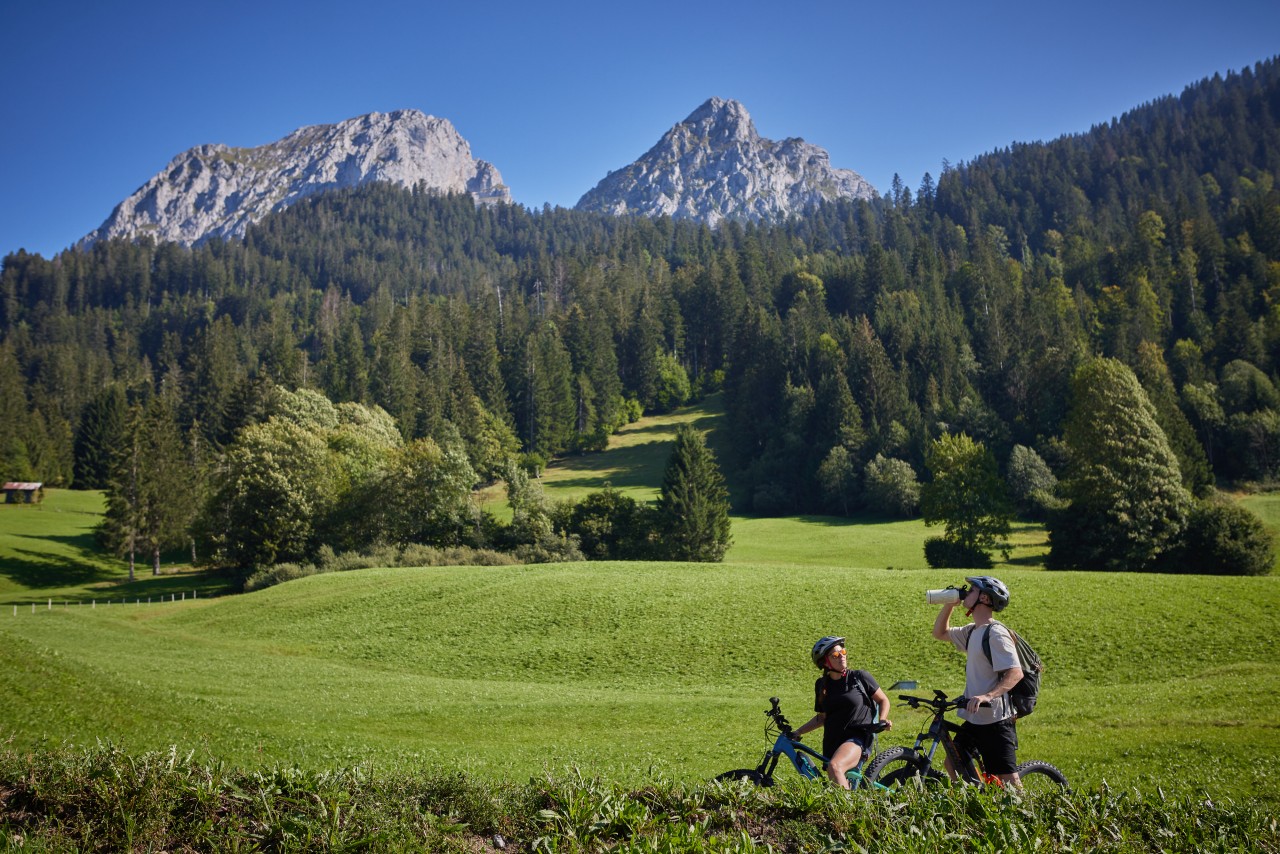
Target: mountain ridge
<point>215,190</point>
<point>714,165</point>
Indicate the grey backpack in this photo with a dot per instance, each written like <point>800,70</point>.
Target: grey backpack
<point>1023,695</point>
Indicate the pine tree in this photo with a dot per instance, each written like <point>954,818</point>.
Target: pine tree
<point>99,437</point>
<point>167,483</point>
<point>121,526</point>
<point>693,509</point>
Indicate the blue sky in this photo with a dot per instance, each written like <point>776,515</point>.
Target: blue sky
<point>98,97</point>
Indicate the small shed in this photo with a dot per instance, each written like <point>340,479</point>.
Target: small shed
<point>16,492</point>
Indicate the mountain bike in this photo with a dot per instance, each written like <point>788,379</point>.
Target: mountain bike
<point>896,766</point>
<point>808,762</point>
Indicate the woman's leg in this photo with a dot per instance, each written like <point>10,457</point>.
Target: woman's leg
<point>844,760</point>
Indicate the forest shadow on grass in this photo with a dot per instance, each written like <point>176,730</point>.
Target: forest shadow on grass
<point>861,519</point>
<point>35,568</point>
<point>628,466</point>
<point>704,421</point>
<point>203,584</point>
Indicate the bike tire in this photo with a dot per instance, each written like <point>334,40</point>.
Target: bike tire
<point>899,766</point>
<point>1037,776</point>
<point>749,774</point>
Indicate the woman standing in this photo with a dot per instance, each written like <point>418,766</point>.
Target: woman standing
<point>847,702</point>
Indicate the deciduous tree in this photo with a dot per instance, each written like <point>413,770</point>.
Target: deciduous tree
<point>967,495</point>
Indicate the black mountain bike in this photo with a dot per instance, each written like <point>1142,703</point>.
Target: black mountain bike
<point>896,766</point>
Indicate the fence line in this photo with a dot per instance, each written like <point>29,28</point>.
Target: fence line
<point>93,603</point>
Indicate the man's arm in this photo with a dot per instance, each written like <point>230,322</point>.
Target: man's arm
<point>1008,678</point>
<point>942,625</point>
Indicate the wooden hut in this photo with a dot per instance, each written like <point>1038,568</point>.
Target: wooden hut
<point>16,492</point>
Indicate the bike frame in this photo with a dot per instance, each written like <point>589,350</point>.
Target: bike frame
<point>798,753</point>
<point>941,730</point>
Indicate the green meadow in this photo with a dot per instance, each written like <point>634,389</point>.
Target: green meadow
<point>626,669</point>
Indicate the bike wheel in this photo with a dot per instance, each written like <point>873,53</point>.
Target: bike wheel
<point>900,766</point>
<point>749,774</point>
<point>1037,777</point>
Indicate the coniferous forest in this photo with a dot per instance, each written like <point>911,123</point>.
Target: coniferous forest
<point>426,340</point>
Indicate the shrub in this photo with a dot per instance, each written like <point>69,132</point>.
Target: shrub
<point>416,554</point>
<point>672,387</point>
<point>609,525</point>
<point>553,549</point>
<point>940,553</point>
<point>1223,538</point>
<point>278,574</point>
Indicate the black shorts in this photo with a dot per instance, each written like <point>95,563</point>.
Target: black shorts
<point>831,742</point>
<point>996,743</point>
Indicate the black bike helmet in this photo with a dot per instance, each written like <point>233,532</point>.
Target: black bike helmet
<point>994,588</point>
<point>822,648</point>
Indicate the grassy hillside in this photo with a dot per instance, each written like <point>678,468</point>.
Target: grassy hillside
<point>634,463</point>
<point>48,551</point>
<point>50,546</point>
<point>621,667</point>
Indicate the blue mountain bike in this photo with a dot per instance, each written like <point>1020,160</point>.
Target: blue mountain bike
<point>808,762</point>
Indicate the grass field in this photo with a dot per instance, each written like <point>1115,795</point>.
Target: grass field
<point>505,671</point>
<point>621,667</point>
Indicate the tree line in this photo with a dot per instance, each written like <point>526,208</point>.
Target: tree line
<point>846,342</point>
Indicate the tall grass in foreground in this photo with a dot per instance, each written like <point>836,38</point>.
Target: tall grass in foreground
<point>105,800</point>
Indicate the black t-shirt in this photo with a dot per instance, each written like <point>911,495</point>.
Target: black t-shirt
<point>847,703</point>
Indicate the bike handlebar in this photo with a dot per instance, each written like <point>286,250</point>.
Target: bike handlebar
<point>775,712</point>
<point>939,703</point>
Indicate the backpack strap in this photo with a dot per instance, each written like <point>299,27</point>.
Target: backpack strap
<point>986,641</point>
<point>875,707</point>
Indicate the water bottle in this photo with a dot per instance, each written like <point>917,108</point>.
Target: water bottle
<point>945,596</point>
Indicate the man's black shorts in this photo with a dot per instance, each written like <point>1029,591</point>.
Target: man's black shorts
<point>997,744</point>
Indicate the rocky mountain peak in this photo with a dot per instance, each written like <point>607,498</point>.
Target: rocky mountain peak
<point>219,191</point>
<point>714,166</point>
<point>718,119</point>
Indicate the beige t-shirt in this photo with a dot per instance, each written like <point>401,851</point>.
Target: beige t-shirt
<point>980,675</point>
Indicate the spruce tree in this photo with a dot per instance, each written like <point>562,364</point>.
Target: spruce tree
<point>167,486</point>
<point>99,437</point>
<point>1127,505</point>
<point>693,508</point>
<point>121,526</point>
